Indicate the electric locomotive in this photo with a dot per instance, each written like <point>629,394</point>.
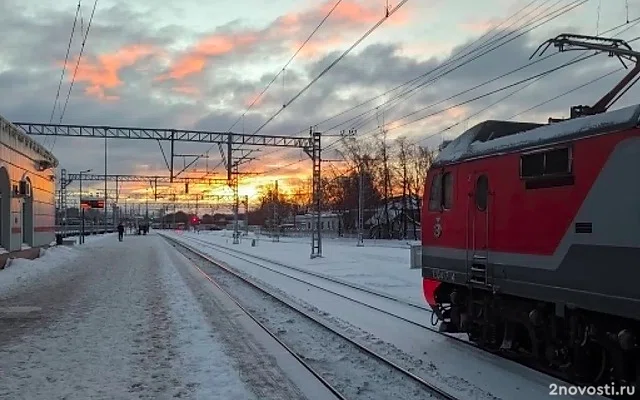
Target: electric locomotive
<point>531,235</point>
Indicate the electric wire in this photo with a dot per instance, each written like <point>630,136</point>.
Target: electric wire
<point>75,72</point>
<point>551,16</point>
<point>527,27</point>
<point>64,66</point>
<point>317,28</point>
<point>531,80</point>
<point>333,64</point>
<point>636,22</point>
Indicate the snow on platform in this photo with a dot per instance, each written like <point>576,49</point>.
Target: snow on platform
<point>110,320</point>
<point>20,271</point>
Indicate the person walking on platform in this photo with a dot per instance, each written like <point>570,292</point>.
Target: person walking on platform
<point>120,231</point>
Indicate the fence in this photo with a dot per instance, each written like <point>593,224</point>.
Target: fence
<point>74,230</point>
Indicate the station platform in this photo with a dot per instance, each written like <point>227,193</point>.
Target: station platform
<point>110,319</point>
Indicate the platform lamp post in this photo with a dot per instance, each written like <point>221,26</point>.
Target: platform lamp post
<point>81,240</point>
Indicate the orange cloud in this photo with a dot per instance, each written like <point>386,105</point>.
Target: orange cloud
<point>355,12</point>
<point>190,90</point>
<point>215,45</point>
<point>102,72</point>
<point>350,14</point>
<point>258,101</point>
<point>313,49</point>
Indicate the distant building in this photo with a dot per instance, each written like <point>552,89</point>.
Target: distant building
<point>329,222</point>
<point>393,228</point>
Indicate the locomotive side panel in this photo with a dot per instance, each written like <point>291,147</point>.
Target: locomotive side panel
<point>569,238</point>
<point>594,265</point>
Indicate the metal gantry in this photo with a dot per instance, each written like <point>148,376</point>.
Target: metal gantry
<point>311,146</point>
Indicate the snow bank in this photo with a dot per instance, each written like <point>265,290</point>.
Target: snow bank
<point>20,271</point>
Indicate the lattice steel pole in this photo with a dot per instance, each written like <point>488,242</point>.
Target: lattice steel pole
<point>276,198</point>
<point>246,215</point>
<point>315,152</point>
<point>361,208</point>
<point>236,200</point>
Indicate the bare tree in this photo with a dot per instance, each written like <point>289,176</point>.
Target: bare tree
<point>419,164</point>
<point>385,175</point>
<point>403,154</point>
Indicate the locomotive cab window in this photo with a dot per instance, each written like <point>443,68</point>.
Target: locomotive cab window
<point>447,190</point>
<point>548,168</point>
<point>482,192</point>
<point>441,192</point>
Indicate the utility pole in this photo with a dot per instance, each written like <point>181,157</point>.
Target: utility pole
<point>236,200</point>
<point>174,211</point>
<point>276,234</point>
<point>246,215</point>
<point>105,184</point>
<point>361,208</point>
<point>404,193</point>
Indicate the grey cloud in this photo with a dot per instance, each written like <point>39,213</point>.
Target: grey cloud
<point>149,103</point>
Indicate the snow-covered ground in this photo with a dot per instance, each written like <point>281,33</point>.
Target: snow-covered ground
<point>118,320</point>
<point>20,271</point>
<point>379,265</point>
<point>454,366</point>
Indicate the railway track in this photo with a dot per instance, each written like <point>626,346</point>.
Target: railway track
<point>250,258</point>
<point>317,275</point>
<point>412,385</point>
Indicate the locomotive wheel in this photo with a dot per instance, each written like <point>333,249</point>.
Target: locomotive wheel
<point>588,363</point>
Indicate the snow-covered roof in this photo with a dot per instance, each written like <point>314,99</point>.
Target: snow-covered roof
<point>7,128</point>
<point>486,138</point>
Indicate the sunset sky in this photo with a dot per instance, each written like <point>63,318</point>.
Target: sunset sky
<point>195,64</point>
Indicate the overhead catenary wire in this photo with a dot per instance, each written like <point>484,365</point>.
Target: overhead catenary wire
<point>457,56</point>
<point>486,38</point>
<point>75,72</point>
<point>477,86</point>
<point>281,71</point>
<point>333,64</point>
<point>580,58</point>
<point>454,58</point>
<point>528,26</point>
<point>348,171</point>
<point>530,79</point>
<point>550,17</point>
<point>66,60</point>
<point>536,106</point>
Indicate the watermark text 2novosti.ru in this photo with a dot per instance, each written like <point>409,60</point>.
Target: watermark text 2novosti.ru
<point>604,390</point>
